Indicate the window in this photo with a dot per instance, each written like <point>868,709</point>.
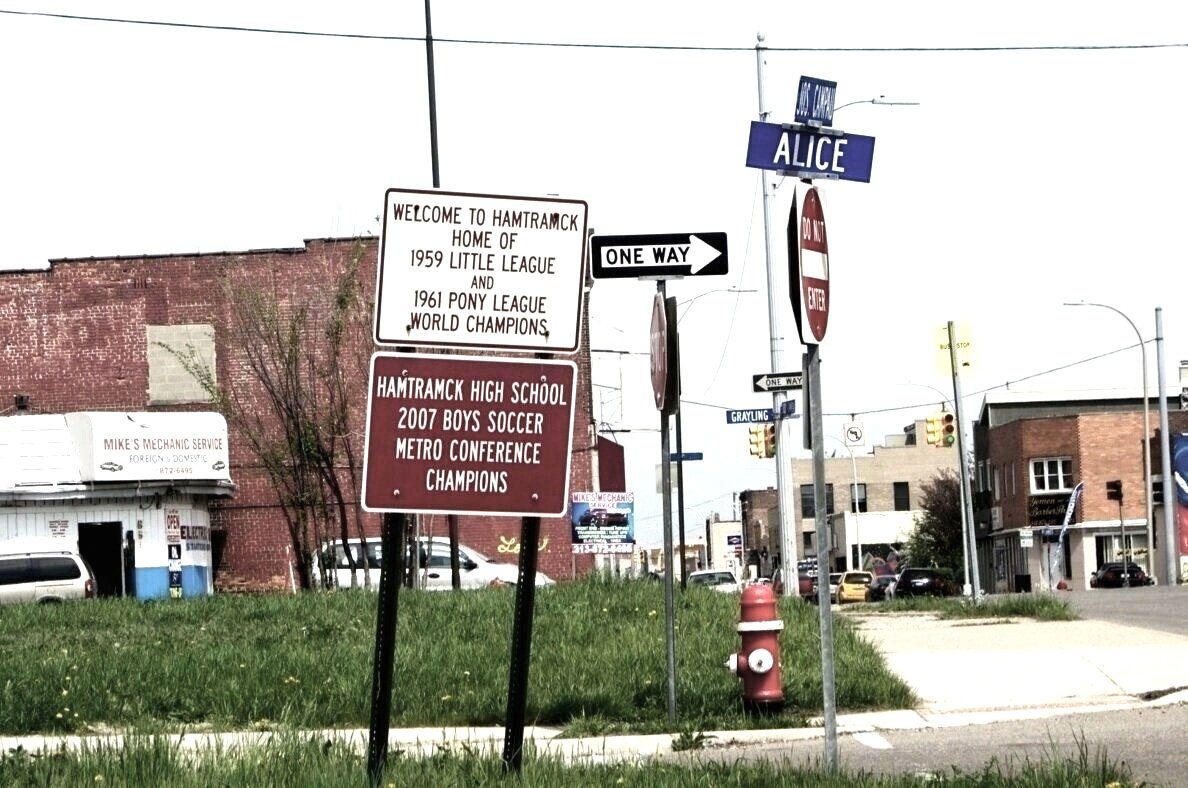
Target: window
<point>903,497</point>
<point>808,542</point>
<point>858,497</point>
<point>808,506</point>
<point>1051,474</point>
<point>181,358</point>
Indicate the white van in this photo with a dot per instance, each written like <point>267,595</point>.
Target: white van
<point>44,576</point>
<point>475,569</point>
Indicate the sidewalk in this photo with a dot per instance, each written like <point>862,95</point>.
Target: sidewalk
<point>965,672</point>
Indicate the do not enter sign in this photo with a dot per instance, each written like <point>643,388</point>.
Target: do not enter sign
<point>808,255</point>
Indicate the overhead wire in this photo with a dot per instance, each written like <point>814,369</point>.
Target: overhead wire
<point>584,45</point>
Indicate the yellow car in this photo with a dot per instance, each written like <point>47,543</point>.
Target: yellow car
<point>852,587</point>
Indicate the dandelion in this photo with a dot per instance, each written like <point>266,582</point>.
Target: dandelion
<point>76,715</point>
<point>65,692</point>
<point>604,610</point>
<point>98,778</point>
<point>651,613</point>
<point>242,665</point>
<point>466,673</point>
<point>58,715</point>
<point>447,697</point>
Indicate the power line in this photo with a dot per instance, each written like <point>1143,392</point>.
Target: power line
<point>587,45</point>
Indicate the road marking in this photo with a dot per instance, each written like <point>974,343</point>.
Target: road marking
<point>872,740</point>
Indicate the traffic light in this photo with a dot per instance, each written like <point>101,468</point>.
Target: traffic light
<point>757,440</point>
<point>932,430</point>
<point>1114,490</point>
<point>948,429</point>
<point>769,440</point>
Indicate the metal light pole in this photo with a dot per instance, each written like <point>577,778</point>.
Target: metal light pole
<point>789,530</point>
<point>854,503</point>
<point>1171,545</point>
<point>1146,443</point>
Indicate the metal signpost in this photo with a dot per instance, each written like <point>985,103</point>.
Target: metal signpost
<point>667,395</point>
<point>481,435</point>
<point>807,150</point>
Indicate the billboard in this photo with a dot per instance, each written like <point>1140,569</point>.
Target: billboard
<point>603,522</point>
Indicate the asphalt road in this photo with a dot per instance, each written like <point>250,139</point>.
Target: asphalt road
<point>1150,741</point>
<point>1163,608</point>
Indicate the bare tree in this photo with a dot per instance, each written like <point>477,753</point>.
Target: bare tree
<point>294,392</point>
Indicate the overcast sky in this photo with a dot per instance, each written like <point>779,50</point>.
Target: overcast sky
<point>1043,163</point>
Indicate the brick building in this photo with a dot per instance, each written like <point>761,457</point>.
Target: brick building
<point>872,500</point>
<point>1032,450</point>
<point>98,335</point>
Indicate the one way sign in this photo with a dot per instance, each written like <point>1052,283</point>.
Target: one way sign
<point>665,256</point>
<point>784,381</point>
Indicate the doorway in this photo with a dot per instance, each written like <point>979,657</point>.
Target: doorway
<point>102,546</point>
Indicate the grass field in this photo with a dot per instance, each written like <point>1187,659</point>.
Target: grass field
<point>295,663</point>
<point>304,662</point>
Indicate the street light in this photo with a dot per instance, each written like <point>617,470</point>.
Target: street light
<point>879,100</point>
<point>1146,431</point>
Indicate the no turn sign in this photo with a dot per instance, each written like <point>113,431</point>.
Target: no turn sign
<point>808,259</point>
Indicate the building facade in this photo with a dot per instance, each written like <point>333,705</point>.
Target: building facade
<point>872,500</point>
<point>1037,453</point>
<point>106,335</point>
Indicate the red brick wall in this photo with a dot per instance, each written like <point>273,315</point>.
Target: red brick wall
<point>1103,446</point>
<point>75,340</point>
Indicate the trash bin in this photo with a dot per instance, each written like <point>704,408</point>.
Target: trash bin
<point>1023,584</point>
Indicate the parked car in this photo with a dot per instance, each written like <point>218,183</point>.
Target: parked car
<point>806,585</point>
<point>475,569</point>
<point>834,580</point>
<point>881,587</point>
<point>717,579</point>
<point>1110,576</point>
<point>45,576</point>
<point>853,587</point>
<point>926,581</point>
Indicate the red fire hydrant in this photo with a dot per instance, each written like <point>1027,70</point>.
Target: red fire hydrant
<point>758,661</point>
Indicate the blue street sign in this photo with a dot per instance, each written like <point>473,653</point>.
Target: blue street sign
<point>814,101</point>
<point>755,416</point>
<point>806,153</point>
<point>685,456</point>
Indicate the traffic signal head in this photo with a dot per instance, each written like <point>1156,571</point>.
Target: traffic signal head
<point>1114,490</point>
<point>932,429</point>
<point>757,440</point>
<point>948,430</point>
<point>769,440</point>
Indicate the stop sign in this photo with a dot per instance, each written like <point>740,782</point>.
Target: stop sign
<point>814,269</point>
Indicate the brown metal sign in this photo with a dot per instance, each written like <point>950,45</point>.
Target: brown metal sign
<point>469,435</point>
